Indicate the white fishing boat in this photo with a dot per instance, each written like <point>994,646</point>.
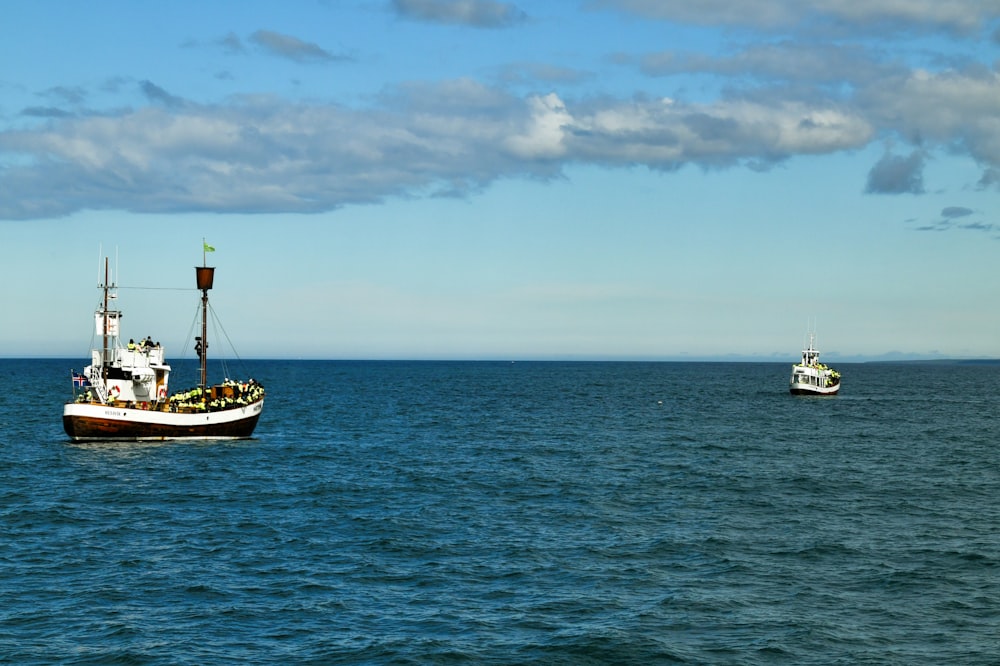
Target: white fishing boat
<point>123,395</point>
<point>810,377</point>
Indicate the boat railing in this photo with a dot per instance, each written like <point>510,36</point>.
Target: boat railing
<point>97,383</point>
<point>140,358</point>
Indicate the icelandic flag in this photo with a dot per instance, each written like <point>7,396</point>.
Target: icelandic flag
<point>80,380</point>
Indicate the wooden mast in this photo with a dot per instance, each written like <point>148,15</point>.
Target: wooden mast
<point>204,276</point>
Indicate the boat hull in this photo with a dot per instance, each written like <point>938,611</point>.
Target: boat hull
<point>813,390</point>
<point>813,379</point>
<point>95,422</point>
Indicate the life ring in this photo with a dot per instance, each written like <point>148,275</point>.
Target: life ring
<point>114,392</point>
<point>162,393</point>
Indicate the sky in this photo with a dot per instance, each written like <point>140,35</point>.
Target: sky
<point>493,179</point>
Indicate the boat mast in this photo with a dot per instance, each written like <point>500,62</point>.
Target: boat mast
<point>204,276</point>
<point>104,328</point>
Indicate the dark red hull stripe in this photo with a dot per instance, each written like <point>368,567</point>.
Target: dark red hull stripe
<point>83,427</point>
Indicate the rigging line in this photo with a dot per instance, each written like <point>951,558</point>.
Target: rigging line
<point>217,324</point>
<point>187,340</point>
<point>216,321</point>
<point>216,327</point>
<point>160,288</point>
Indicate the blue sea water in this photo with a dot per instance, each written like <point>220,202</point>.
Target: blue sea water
<point>515,513</point>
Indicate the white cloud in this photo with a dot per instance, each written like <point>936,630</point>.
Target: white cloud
<point>929,15</point>
<point>666,134</point>
<point>287,46</point>
<point>544,137</point>
<point>475,13</point>
<point>954,109</point>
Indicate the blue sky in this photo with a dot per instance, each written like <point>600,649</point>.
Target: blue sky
<point>485,179</point>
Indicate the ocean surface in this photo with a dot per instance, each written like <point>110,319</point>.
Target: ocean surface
<point>515,513</point>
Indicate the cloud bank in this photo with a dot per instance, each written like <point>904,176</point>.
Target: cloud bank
<point>781,98</point>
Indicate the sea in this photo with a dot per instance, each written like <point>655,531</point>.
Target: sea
<point>515,513</point>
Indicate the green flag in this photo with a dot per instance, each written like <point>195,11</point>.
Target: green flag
<point>208,248</point>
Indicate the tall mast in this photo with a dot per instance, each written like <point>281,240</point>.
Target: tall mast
<point>104,328</point>
<point>204,275</point>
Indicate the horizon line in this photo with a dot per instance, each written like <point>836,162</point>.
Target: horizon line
<point>892,357</point>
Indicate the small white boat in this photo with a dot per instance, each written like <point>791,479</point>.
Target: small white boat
<point>123,394</point>
<point>810,377</point>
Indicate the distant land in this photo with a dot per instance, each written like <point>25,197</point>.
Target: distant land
<point>946,361</point>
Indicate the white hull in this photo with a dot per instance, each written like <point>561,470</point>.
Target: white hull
<point>798,388</point>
